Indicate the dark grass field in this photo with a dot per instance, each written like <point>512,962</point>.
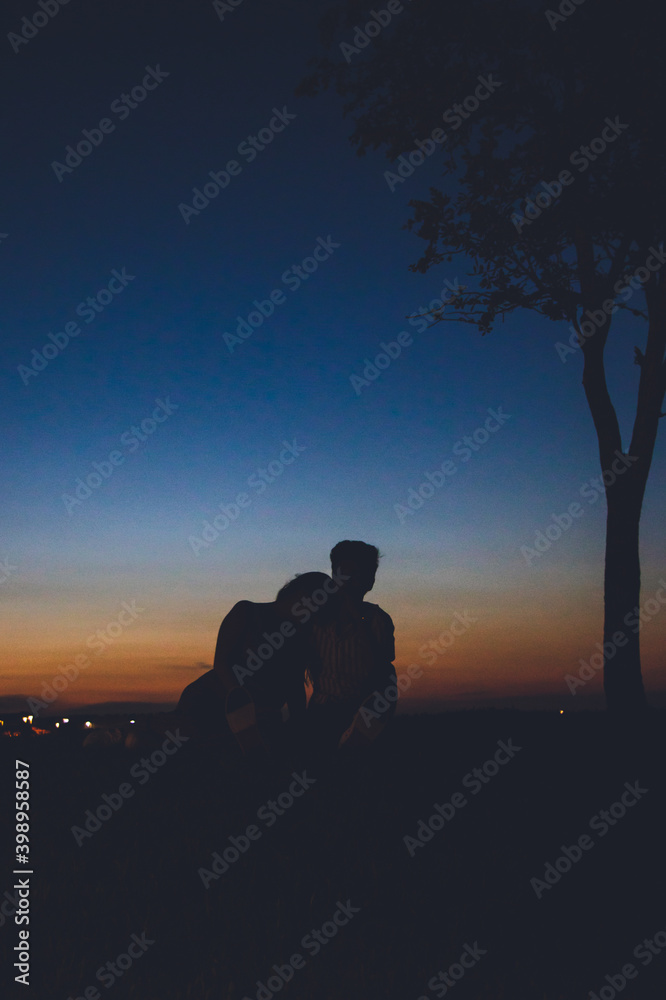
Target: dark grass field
<point>343,841</point>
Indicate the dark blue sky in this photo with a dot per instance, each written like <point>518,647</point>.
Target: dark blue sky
<point>161,337</point>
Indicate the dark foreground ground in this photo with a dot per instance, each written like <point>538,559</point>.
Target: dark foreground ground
<point>409,917</point>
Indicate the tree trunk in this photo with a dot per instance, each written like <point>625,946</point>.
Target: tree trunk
<point>625,476</point>
<point>623,684</point>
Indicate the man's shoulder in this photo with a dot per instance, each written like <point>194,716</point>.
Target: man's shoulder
<point>374,609</point>
<point>374,612</point>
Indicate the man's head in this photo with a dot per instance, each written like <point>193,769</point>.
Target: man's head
<point>359,562</point>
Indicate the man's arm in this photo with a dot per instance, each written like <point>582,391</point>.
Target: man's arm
<point>384,632</point>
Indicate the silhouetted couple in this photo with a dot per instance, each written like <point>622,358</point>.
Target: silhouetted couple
<point>318,628</point>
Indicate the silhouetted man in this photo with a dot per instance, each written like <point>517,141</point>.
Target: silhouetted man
<point>355,657</point>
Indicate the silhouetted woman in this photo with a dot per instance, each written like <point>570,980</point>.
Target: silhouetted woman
<point>262,653</point>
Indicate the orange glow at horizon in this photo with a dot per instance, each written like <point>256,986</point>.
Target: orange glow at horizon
<point>469,643</point>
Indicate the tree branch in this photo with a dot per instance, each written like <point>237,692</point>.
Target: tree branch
<point>594,375</point>
<point>652,379</point>
<point>617,263</point>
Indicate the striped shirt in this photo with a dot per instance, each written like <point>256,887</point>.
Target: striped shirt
<point>352,657</point>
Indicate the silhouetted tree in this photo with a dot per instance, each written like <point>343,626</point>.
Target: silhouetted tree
<point>538,91</point>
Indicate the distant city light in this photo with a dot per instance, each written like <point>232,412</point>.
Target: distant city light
<point>30,718</point>
<point>25,718</point>
<point>561,711</point>
<point>88,725</point>
<point>132,722</point>
<point>57,725</point>
<point>65,720</point>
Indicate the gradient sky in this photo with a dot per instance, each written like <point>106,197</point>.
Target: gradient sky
<point>162,338</point>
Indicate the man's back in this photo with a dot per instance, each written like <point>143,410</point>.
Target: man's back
<point>355,652</point>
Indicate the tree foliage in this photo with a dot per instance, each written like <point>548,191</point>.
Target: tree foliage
<point>560,80</point>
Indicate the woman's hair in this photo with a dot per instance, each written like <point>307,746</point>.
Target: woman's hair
<point>305,585</point>
<point>302,585</point>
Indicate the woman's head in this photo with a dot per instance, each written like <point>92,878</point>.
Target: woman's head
<point>304,596</point>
